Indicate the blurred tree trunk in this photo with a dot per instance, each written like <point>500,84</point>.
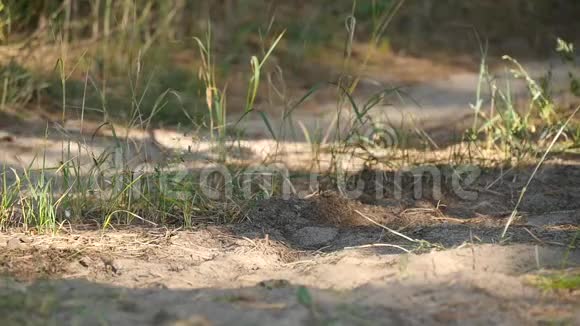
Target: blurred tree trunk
<point>229,8</point>
<point>180,28</point>
<point>66,35</point>
<point>96,13</point>
<point>420,23</point>
<point>128,6</point>
<point>42,18</point>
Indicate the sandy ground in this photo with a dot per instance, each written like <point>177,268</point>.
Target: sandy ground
<point>321,260</point>
<point>219,276</point>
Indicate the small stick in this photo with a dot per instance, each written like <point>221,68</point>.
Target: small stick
<point>374,245</point>
<point>386,228</point>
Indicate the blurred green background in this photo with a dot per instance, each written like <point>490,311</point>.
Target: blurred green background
<point>119,57</point>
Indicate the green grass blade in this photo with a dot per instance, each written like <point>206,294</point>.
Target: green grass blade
<point>268,125</point>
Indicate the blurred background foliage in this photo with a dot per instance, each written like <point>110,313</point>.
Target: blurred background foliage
<point>130,52</point>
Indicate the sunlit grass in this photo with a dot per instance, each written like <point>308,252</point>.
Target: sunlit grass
<point>120,71</point>
<point>565,280</point>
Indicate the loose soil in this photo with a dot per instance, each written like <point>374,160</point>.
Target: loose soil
<point>315,259</point>
<point>254,273</point>
<point>336,250</point>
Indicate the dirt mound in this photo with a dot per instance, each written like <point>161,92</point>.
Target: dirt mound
<point>323,219</point>
<point>176,280</point>
<point>45,263</point>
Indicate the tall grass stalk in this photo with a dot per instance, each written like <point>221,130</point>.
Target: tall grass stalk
<point>525,188</point>
<point>8,197</point>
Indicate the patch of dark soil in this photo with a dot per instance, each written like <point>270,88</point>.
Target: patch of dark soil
<point>330,222</point>
<point>450,235</point>
<point>318,221</point>
<point>555,188</point>
<point>549,213</point>
<point>493,192</point>
<point>331,209</point>
<point>33,263</point>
